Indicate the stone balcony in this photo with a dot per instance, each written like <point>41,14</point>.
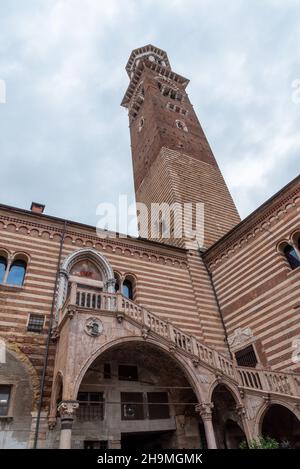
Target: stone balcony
<point>103,303</point>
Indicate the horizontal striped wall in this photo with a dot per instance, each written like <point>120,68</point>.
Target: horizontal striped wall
<point>170,282</point>
<point>257,288</point>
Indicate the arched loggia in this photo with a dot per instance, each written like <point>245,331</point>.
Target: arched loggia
<point>227,417</point>
<point>137,391</point>
<point>281,424</point>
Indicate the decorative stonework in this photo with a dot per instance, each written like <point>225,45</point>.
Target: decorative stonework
<point>241,411</point>
<point>240,337</point>
<point>145,332</point>
<point>71,311</point>
<point>67,409</point>
<point>92,241</point>
<point>93,327</point>
<point>205,410</point>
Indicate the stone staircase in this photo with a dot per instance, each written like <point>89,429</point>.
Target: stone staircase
<point>260,380</point>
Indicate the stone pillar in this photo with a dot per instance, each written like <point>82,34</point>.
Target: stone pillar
<point>73,292</point>
<point>205,411</point>
<point>9,262</point>
<point>110,285</point>
<point>241,412</point>
<point>66,410</point>
<point>43,430</point>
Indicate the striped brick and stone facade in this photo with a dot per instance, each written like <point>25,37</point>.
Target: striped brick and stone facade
<point>119,341</point>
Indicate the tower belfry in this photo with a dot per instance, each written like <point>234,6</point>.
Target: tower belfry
<point>172,159</point>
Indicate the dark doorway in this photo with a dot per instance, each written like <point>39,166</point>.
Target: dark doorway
<point>233,435</point>
<point>282,425</point>
<point>226,421</point>
<point>144,441</point>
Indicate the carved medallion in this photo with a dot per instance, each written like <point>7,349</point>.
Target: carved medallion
<point>93,327</point>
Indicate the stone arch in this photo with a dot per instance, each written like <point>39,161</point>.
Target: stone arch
<point>85,253</point>
<point>132,279</point>
<point>295,237</point>
<point>186,368</point>
<point>29,368</point>
<point>257,431</point>
<point>230,387</point>
<point>227,415</point>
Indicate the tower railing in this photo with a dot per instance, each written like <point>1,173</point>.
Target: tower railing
<point>247,378</point>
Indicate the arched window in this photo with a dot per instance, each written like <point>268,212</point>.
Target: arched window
<point>128,289</point>
<point>16,273</point>
<point>291,256</point>
<point>3,265</point>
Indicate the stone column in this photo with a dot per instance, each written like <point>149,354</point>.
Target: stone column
<point>205,411</point>
<point>43,430</point>
<point>242,413</point>
<point>73,292</point>
<point>110,285</point>
<point>66,410</point>
<point>9,262</point>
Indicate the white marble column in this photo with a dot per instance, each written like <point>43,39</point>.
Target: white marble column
<point>66,410</point>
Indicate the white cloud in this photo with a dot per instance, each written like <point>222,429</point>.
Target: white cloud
<point>63,61</point>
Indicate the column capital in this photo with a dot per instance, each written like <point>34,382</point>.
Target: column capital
<point>205,410</point>
<point>110,285</point>
<point>67,409</point>
<point>241,411</point>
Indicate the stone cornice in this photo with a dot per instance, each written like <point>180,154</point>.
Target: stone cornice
<point>154,67</point>
<point>132,247</point>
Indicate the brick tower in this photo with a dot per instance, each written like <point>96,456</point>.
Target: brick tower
<point>172,160</point>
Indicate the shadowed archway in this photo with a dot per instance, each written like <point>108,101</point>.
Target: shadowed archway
<point>227,423</point>
<point>134,391</point>
<point>280,423</point>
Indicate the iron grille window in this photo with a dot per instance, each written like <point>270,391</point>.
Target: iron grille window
<point>246,357</point>
<point>158,405</point>
<point>35,323</point>
<point>91,406</point>
<point>93,444</point>
<point>128,373</point>
<point>5,392</point>
<point>132,406</point>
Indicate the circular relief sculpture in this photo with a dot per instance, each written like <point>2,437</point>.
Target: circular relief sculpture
<point>93,327</point>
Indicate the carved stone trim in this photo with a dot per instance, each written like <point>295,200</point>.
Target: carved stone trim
<point>205,410</point>
<point>120,317</point>
<point>145,332</point>
<point>93,327</point>
<point>71,311</point>
<point>67,409</point>
<point>240,337</point>
<point>241,411</point>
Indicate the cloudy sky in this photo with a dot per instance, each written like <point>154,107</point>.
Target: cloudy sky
<point>64,138</point>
